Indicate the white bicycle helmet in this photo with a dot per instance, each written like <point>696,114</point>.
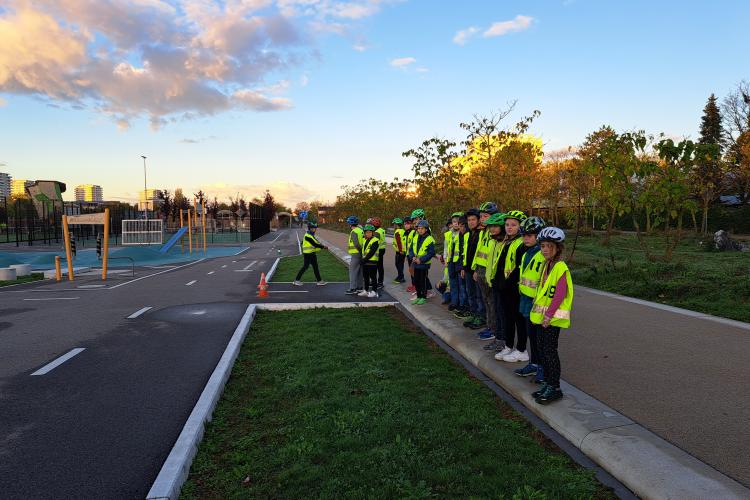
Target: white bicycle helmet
<point>554,234</point>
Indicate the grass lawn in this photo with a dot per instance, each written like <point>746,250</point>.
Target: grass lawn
<point>331,269</point>
<point>23,279</point>
<point>706,281</point>
<point>317,410</point>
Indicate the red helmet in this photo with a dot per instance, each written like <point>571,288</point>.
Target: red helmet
<point>375,221</point>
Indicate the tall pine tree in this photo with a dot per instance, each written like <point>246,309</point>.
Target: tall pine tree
<point>708,175</point>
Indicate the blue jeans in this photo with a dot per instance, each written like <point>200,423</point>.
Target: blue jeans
<point>473,295</point>
<point>458,290</point>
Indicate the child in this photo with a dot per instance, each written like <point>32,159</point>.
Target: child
<point>380,233</point>
<point>479,266</point>
<point>459,249</point>
<point>473,295</point>
<point>451,256</point>
<point>422,253</point>
<point>356,238</point>
<point>370,257</point>
<point>530,270</point>
<point>446,288</point>
<point>506,278</point>
<point>494,229</point>
<point>416,216</point>
<point>399,246</point>
<point>551,310</point>
<point>310,247</point>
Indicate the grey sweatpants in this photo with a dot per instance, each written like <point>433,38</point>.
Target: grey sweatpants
<point>487,297</point>
<point>356,278</point>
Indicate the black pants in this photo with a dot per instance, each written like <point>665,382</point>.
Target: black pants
<point>514,324</point>
<point>420,280</point>
<point>534,333</point>
<point>551,359</point>
<point>370,272</point>
<point>311,259</point>
<point>381,269</point>
<point>400,258</point>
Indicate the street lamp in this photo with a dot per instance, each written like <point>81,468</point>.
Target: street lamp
<point>145,191</point>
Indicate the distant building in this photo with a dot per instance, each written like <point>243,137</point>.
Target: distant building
<point>89,192</point>
<point>18,187</point>
<point>5,180</point>
<point>149,199</point>
<point>324,214</point>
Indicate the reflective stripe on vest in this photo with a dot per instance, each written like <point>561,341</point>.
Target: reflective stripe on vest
<point>530,275</point>
<point>366,249</point>
<point>458,247</point>
<point>307,244</point>
<point>360,235</point>
<point>544,296</point>
<point>482,254</point>
<point>396,233</point>
<point>410,239</point>
<point>466,248</point>
<point>448,245</point>
<point>381,239</point>
<point>510,257</point>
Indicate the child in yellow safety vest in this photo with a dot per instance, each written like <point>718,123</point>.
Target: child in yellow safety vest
<point>310,247</point>
<point>422,252</point>
<point>380,233</point>
<point>530,269</point>
<point>399,247</point>
<point>551,310</point>
<point>370,258</point>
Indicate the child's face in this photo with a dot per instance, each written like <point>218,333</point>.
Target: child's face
<point>494,230</point>
<point>407,225</point>
<point>421,230</point>
<point>462,227</point>
<point>529,240</point>
<point>511,227</point>
<point>472,221</point>
<point>483,216</point>
<point>548,249</point>
<point>368,234</point>
<point>454,223</point>
<point>312,229</point>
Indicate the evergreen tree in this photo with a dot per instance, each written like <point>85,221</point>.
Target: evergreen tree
<point>708,174</point>
<point>711,126</point>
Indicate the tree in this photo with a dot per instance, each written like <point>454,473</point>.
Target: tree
<point>302,206</point>
<point>736,113</point>
<point>166,204</point>
<point>269,206</point>
<point>708,174</point>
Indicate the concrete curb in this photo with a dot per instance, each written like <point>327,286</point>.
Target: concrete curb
<point>283,306</point>
<point>271,272</point>
<point>644,462</point>
<point>176,467</point>
<point>50,273</point>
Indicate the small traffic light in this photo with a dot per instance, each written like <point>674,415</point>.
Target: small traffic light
<point>73,246</point>
<point>99,246</point>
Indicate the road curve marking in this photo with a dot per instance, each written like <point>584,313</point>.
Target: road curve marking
<point>139,312</point>
<point>191,283</point>
<point>57,362</point>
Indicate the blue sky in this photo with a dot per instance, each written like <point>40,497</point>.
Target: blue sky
<point>330,114</point>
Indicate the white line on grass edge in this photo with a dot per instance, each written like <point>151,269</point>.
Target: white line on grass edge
<point>176,468</point>
<point>269,276</point>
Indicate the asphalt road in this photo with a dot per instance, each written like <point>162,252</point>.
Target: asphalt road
<point>100,424</point>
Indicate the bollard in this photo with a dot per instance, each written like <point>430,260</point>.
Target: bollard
<point>58,272</point>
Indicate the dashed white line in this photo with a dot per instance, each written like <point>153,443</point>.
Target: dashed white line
<point>224,266</point>
<point>57,298</point>
<point>210,272</point>
<point>299,245</point>
<point>277,237</point>
<point>191,283</point>
<point>155,274</point>
<point>288,291</point>
<point>54,364</point>
<point>139,312</point>
<point>250,265</point>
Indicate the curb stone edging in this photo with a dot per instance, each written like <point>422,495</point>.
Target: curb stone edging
<point>647,464</point>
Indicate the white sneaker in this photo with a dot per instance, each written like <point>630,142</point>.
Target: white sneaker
<point>506,350</point>
<point>373,295</point>
<point>297,283</point>
<point>413,294</point>
<point>430,294</point>
<point>322,283</point>
<point>363,293</point>
<point>516,356</point>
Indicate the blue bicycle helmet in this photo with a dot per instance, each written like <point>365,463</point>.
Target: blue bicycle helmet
<point>352,220</point>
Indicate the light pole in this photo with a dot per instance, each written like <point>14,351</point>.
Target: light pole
<point>145,191</point>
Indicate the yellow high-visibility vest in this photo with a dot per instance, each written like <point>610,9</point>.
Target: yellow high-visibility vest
<point>510,263</point>
<point>399,232</point>
<point>482,254</point>
<point>544,295</point>
<point>307,243</point>
<point>358,233</point>
<point>448,245</point>
<point>531,273</point>
<point>381,239</point>
<point>366,249</point>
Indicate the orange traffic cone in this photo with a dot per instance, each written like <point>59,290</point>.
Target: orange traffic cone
<point>263,287</point>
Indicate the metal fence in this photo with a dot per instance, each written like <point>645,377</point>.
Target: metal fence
<point>142,232</point>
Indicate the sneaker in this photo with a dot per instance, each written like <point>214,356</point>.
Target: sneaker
<point>515,356</point>
<point>495,345</point>
<point>484,331</point>
<point>469,321</point>
<point>539,378</point>
<point>430,294</point>
<point>549,395</point>
<point>506,350</point>
<point>538,393</point>
<point>477,323</point>
<point>380,286</point>
<point>462,313</point>
<point>396,281</point>
<point>363,293</point>
<point>373,294</point>
<point>411,288</point>
<point>421,302</point>
<point>296,283</point>
<point>526,371</point>
<point>486,335</point>
<point>322,283</point>
<point>414,302</point>
<point>452,307</point>
<point>352,291</point>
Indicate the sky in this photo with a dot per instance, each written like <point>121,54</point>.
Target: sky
<point>304,96</point>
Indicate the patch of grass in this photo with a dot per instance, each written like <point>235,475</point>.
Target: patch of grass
<point>317,408</point>
<point>23,279</point>
<point>698,279</point>
<point>331,269</point>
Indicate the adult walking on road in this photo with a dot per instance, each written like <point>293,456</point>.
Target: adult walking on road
<point>356,239</point>
<point>310,248</point>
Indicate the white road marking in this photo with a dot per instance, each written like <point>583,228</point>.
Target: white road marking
<point>224,266</point>
<point>139,312</point>
<point>155,274</point>
<point>54,364</point>
<point>57,298</point>
<point>191,283</point>
<point>269,276</point>
<point>245,271</point>
<point>91,286</point>
<point>242,251</point>
<point>250,265</point>
<point>288,291</point>
<point>277,237</point>
<point>199,313</point>
<point>234,262</point>
<point>210,272</point>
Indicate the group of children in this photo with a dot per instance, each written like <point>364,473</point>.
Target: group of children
<point>505,278</point>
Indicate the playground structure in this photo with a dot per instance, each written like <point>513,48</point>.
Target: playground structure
<point>95,219</point>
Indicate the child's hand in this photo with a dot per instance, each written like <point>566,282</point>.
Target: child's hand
<point>417,261</point>
<point>545,322</point>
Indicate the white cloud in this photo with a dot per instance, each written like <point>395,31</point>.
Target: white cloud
<point>519,23</point>
<point>360,47</point>
<point>462,36</point>
<point>402,62</point>
<point>304,81</point>
<point>167,60</point>
<point>288,193</point>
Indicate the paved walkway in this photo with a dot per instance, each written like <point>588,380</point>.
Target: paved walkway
<point>683,376</point>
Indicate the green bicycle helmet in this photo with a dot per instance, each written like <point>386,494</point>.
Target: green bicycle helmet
<point>369,227</point>
<point>417,213</point>
<point>397,220</point>
<point>516,214</point>
<point>488,207</point>
<point>457,214</point>
<point>497,219</point>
